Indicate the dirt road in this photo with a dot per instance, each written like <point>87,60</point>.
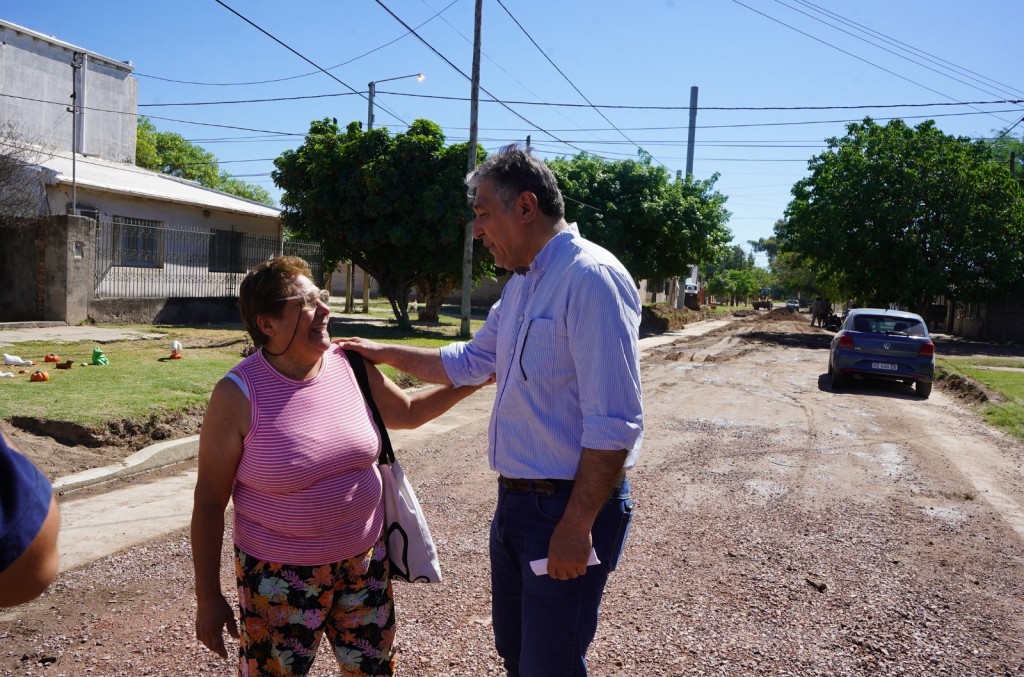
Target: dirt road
<point>781,528</point>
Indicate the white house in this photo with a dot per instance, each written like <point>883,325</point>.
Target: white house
<point>156,237</point>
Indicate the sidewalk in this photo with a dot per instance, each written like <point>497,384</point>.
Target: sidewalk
<point>58,332</point>
<point>96,526</point>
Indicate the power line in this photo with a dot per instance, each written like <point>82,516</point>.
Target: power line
<point>566,77</point>
<point>1008,130</point>
<point>893,41</point>
<point>588,104</point>
<point>459,71</point>
<point>237,101</point>
<point>304,75</point>
<point>306,59</point>
<point>885,49</point>
<point>498,65</point>
<point>533,126</point>
<point>839,49</point>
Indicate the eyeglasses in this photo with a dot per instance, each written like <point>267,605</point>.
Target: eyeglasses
<point>309,300</point>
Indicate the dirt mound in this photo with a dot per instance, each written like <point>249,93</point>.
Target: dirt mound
<point>962,388</point>
<point>59,448</point>
<point>132,434</point>
<point>780,314</point>
<point>661,317</point>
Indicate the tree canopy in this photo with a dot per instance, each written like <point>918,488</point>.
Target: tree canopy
<point>1003,144</point>
<point>658,228</point>
<point>394,204</point>
<point>899,214</point>
<point>170,153</point>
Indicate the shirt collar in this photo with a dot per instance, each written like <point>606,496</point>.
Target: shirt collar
<point>548,252</point>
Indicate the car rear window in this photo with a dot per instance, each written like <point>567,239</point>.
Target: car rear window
<point>882,324</point>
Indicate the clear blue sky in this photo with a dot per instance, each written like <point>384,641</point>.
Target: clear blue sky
<point>740,53</point>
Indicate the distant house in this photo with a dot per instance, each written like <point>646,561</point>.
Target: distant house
<point>157,248</point>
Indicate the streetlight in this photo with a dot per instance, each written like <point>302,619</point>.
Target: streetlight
<point>372,89</point>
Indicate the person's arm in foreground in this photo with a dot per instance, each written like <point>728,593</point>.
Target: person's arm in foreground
<point>599,472</point>
<point>423,363</point>
<point>220,448</point>
<point>34,569</point>
<point>401,410</point>
<point>603,326</point>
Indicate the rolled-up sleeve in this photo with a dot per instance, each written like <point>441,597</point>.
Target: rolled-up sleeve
<point>472,362</point>
<point>603,325</point>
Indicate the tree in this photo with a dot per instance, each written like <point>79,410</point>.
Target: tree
<point>21,196</point>
<point>170,153</point>
<point>657,228</point>
<point>394,204</point>
<point>1003,146</point>
<point>901,214</point>
<point>769,246</point>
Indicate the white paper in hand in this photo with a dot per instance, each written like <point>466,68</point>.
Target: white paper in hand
<point>540,566</point>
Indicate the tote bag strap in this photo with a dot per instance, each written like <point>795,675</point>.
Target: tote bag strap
<point>387,452</point>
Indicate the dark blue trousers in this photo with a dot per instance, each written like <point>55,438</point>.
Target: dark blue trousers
<point>543,626</point>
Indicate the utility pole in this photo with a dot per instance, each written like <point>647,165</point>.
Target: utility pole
<point>76,64</point>
<point>350,277</point>
<point>465,330</point>
<point>528,143</point>
<point>692,132</point>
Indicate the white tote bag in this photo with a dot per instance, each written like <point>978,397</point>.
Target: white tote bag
<point>411,552</point>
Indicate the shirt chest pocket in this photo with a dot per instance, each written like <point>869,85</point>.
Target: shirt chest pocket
<point>544,351</point>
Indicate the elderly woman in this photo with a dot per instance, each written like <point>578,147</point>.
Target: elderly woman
<point>288,437</point>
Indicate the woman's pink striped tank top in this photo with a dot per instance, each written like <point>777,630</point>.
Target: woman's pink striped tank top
<point>307,490</point>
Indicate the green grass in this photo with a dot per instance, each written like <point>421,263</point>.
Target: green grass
<point>1009,414</point>
<point>138,383</point>
<point>141,383</point>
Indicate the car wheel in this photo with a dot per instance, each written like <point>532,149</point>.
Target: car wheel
<point>838,380</point>
<point>924,389</point>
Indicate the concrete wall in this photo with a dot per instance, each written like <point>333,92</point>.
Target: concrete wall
<point>46,270</point>
<point>165,311</point>
<point>18,273</point>
<point>38,68</point>
<point>68,252</point>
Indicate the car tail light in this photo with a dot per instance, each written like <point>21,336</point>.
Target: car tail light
<point>845,341</point>
<point>927,349</point>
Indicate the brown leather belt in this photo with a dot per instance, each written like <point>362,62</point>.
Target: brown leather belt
<point>534,486</point>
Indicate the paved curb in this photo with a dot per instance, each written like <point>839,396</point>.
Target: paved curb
<point>150,458</point>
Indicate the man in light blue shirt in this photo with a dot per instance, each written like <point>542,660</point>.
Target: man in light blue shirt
<point>567,419</point>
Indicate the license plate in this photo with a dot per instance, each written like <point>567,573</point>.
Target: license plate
<point>884,365</point>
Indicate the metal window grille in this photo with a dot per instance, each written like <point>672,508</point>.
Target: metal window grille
<point>145,259</point>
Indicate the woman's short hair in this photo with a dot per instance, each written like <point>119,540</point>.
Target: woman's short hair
<point>263,290</point>
<point>511,171</point>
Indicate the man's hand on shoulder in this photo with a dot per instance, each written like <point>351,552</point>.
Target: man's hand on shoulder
<point>371,351</point>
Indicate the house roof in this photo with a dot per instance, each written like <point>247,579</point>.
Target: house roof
<point>125,179</point>
<point>122,65</point>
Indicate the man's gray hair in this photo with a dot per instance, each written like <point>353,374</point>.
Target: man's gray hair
<point>511,172</point>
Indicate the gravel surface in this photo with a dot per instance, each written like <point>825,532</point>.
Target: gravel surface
<point>782,529</point>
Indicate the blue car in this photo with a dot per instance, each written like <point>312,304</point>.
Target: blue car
<point>883,344</point>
